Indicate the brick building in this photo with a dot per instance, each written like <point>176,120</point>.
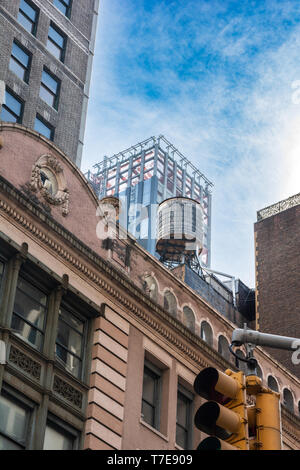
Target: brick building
<point>46,58</point>
<point>89,325</point>
<point>277,236</point>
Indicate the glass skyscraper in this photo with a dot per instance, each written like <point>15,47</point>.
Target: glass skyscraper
<point>145,175</point>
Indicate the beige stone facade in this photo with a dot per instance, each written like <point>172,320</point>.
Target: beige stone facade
<point>115,292</point>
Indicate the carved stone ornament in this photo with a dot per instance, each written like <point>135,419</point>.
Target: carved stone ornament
<point>25,363</point>
<point>47,176</point>
<point>68,392</point>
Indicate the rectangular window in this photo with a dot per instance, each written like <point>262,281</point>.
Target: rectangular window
<point>57,438</point>
<point>28,16</point>
<point>49,91</point>
<point>151,395</point>
<point>56,42</point>
<point>29,313</point>
<point>43,128</point>
<point>14,420</point>
<point>184,418</point>
<point>12,110</point>
<point>20,62</point>
<point>64,6</point>
<point>70,342</point>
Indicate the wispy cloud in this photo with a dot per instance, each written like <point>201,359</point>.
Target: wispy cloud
<point>216,79</point>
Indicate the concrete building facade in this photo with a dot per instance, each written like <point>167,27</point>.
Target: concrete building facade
<point>102,342</point>
<point>47,49</point>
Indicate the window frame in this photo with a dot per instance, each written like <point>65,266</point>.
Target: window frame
<point>22,401</point>
<point>25,68</point>
<point>59,425</point>
<point>189,398</point>
<point>31,280</point>
<point>156,374</point>
<point>45,86</point>
<point>19,118</point>
<point>61,48</point>
<point>46,124</point>
<point>35,21</point>
<point>64,305</point>
<point>67,6</point>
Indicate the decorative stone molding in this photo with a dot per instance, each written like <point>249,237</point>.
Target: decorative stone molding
<point>25,363</point>
<point>68,392</point>
<point>278,207</point>
<point>47,176</point>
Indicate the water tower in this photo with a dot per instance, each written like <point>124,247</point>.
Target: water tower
<point>180,232</point>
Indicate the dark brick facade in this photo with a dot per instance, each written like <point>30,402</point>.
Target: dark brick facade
<point>68,120</point>
<point>278,278</point>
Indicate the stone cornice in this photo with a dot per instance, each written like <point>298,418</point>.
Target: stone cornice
<point>112,274</point>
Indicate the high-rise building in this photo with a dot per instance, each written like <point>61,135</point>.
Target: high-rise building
<point>45,63</point>
<point>277,237</point>
<point>142,177</point>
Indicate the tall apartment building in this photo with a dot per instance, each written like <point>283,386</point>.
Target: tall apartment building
<point>46,56</point>
<point>277,236</point>
<point>143,176</point>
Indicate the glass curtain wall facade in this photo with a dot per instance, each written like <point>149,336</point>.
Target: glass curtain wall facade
<point>145,175</point>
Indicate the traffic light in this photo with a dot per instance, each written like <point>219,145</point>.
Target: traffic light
<point>264,417</point>
<point>224,416</point>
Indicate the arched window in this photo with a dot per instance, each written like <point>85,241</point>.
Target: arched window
<point>170,303</point>
<point>272,383</point>
<point>259,372</point>
<point>288,400</point>
<point>223,347</point>
<point>206,333</point>
<point>189,318</point>
<point>151,287</point>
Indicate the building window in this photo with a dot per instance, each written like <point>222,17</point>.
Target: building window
<point>12,109</point>
<point>189,318</point>
<point>20,62</point>
<point>56,43</point>
<point>28,16</point>
<point>170,303</point>
<point>70,342</point>
<point>288,400</point>
<point>49,91</point>
<point>151,395</point>
<point>206,333</point>
<point>272,383</point>
<point>223,348</point>
<point>43,128</point>
<point>64,6</point>
<point>184,418</point>
<point>14,420</point>
<point>57,438</point>
<point>29,315</point>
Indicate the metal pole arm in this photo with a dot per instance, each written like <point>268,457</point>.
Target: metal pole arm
<point>242,336</point>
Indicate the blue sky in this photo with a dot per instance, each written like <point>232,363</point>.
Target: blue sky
<point>221,81</point>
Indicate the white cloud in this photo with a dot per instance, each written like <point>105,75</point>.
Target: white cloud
<point>243,134</point>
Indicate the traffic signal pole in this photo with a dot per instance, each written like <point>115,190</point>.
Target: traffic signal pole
<point>226,417</point>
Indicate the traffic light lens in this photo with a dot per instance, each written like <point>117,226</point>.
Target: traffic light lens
<point>205,384</point>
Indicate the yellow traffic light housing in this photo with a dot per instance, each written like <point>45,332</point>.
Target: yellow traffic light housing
<point>224,416</point>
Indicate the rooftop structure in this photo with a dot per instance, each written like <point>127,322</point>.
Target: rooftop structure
<point>145,175</point>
